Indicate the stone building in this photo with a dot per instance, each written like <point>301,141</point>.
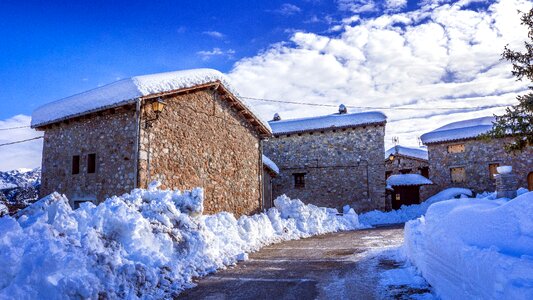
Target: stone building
<point>401,160</point>
<point>187,129</point>
<point>330,160</point>
<point>458,157</point>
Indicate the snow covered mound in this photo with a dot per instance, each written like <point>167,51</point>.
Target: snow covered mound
<point>148,244</point>
<point>406,213</point>
<point>475,248</point>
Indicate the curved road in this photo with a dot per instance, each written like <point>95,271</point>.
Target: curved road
<point>343,265</point>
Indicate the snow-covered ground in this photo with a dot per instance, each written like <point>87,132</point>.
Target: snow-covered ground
<point>406,213</point>
<point>475,248</point>
<point>146,244</point>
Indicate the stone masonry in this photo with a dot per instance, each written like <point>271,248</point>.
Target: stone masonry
<point>478,154</point>
<point>202,138</point>
<point>408,165</point>
<point>341,166</point>
<point>199,140</point>
<point>111,136</point>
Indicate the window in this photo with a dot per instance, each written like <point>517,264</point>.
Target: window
<point>388,174</point>
<point>405,171</point>
<point>458,148</point>
<point>299,180</point>
<point>75,164</point>
<point>458,174</point>
<point>492,170</point>
<point>91,163</point>
<point>424,171</point>
<point>398,197</point>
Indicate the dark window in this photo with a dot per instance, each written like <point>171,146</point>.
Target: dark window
<point>299,180</point>
<point>91,163</point>
<point>388,174</point>
<point>76,164</point>
<point>424,171</point>
<point>77,203</point>
<point>405,171</point>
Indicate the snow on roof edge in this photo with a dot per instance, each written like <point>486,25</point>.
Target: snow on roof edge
<point>126,91</point>
<point>411,152</point>
<point>460,130</point>
<point>407,179</point>
<point>270,164</point>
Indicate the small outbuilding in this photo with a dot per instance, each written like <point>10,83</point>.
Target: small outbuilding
<point>406,189</point>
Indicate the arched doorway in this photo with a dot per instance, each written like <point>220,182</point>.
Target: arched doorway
<point>530,181</point>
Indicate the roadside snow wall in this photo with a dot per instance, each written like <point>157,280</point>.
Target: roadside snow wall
<point>148,244</point>
<point>410,212</point>
<point>475,248</point>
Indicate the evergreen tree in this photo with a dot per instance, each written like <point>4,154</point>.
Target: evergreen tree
<point>518,120</point>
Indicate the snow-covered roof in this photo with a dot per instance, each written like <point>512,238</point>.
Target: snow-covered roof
<point>270,164</point>
<point>418,153</point>
<point>127,91</point>
<point>407,179</point>
<point>459,130</point>
<point>327,122</point>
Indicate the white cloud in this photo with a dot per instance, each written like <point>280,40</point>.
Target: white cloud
<point>23,155</point>
<point>445,57</point>
<point>214,34</point>
<point>394,5</point>
<point>208,54</point>
<point>357,6</point>
<point>288,9</point>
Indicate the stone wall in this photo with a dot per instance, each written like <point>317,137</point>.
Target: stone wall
<point>476,159</point>
<point>341,166</point>
<point>111,136</point>
<point>199,140</point>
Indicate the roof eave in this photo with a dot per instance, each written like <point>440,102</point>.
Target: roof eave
<point>330,128</point>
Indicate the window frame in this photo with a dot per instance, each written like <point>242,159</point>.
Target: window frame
<point>492,175</point>
<point>75,165</point>
<point>452,174</point>
<point>299,180</point>
<point>450,148</point>
<point>91,163</point>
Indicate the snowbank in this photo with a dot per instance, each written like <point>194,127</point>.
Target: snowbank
<point>475,248</point>
<point>147,244</point>
<point>406,213</point>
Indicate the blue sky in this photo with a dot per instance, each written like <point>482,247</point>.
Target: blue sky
<point>57,48</point>
<point>419,55</point>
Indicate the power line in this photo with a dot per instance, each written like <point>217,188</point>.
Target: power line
<point>377,107</point>
<point>11,128</point>
<point>17,142</point>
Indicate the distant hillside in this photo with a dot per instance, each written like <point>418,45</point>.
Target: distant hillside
<point>18,188</point>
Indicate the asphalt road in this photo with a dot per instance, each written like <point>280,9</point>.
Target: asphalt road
<point>331,266</point>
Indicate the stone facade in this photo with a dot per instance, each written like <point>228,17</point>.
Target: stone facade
<point>200,139</point>
<point>477,155</point>
<point>339,166</point>
<point>111,136</point>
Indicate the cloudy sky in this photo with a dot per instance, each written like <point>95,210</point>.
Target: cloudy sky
<point>423,63</point>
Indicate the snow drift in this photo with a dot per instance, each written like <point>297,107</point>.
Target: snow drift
<point>410,212</point>
<point>475,248</point>
<point>147,244</point>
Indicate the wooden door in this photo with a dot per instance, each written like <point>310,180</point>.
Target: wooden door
<point>530,181</point>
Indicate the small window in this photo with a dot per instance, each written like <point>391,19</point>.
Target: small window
<point>388,174</point>
<point>458,175</point>
<point>398,197</point>
<point>424,171</point>
<point>458,148</point>
<point>492,170</point>
<point>299,180</point>
<point>75,164</point>
<point>405,171</point>
<point>91,163</point>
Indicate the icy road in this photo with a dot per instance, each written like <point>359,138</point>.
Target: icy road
<point>362,264</point>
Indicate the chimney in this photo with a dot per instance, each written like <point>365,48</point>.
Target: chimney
<point>276,117</point>
<point>342,109</point>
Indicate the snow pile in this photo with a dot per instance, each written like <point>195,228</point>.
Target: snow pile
<point>419,153</point>
<point>459,130</point>
<point>406,213</point>
<point>270,164</point>
<point>407,179</point>
<point>127,91</point>
<point>326,122</point>
<point>3,209</point>
<point>475,248</point>
<point>147,244</point>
